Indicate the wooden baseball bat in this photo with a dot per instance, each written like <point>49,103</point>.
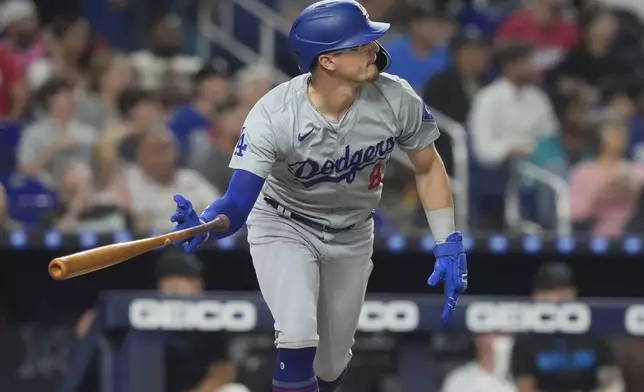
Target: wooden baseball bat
<point>106,256</point>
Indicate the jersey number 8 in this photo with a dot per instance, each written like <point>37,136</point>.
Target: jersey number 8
<point>375,177</point>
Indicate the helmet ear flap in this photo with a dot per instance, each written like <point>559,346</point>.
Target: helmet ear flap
<point>383,59</point>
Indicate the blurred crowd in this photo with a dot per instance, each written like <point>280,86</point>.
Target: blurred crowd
<point>552,85</point>
<point>96,138</point>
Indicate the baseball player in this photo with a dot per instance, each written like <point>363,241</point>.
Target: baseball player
<point>308,171</point>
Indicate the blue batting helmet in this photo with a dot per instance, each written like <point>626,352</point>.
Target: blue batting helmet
<point>332,25</point>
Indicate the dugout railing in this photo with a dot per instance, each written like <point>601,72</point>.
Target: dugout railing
<point>559,186</point>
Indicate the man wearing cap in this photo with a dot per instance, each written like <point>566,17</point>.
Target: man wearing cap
<point>196,361</point>
<point>19,25</point>
<point>558,362</point>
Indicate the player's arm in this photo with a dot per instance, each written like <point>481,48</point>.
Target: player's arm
<point>526,384</point>
<point>434,191</point>
<point>610,380</point>
<point>419,131</point>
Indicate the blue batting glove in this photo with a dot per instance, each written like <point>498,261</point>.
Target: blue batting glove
<point>186,217</point>
<point>450,267</point>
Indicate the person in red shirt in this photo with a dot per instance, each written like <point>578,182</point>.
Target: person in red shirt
<point>541,25</point>
<point>13,92</point>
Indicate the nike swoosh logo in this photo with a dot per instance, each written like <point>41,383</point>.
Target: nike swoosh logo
<point>301,137</point>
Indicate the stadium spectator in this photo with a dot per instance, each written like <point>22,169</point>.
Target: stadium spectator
<point>153,181</point>
<point>68,46</point>
<point>485,373</point>
<point>212,93</point>
<point>250,84</point>
<point>14,95</point>
<point>636,142</point>
<point>139,111</point>
<point>604,192</point>
<point>3,208</point>
<point>621,101</point>
<point>573,144</point>
<point>594,64</point>
<point>451,91</point>
<point>109,75</point>
<point>507,119</point>
<point>422,52</point>
<point>211,155</point>
<point>510,115</point>
<point>196,361</point>
<point>559,152</point>
<point>629,354</point>
<point>20,29</point>
<point>58,150</point>
<point>634,6</point>
<point>162,67</point>
<point>558,362</point>
<point>540,24</point>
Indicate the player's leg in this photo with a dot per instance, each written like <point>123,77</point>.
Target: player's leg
<point>344,274</point>
<point>288,276</point>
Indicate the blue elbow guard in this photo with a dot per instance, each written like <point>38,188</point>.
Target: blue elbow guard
<point>236,204</point>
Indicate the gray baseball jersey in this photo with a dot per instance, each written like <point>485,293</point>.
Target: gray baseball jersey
<point>331,172</point>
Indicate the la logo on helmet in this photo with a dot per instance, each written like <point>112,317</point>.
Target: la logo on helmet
<point>364,10</point>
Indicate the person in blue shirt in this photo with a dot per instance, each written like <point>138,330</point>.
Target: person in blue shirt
<point>422,52</point>
<point>211,93</point>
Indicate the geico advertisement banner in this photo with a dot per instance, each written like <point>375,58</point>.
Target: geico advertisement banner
<point>400,316</point>
<point>241,316</point>
<point>545,317</point>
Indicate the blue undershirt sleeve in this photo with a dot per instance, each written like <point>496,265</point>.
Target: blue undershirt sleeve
<point>237,202</point>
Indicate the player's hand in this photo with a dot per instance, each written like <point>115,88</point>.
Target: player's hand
<point>186,217</point>
<point>450,267</point>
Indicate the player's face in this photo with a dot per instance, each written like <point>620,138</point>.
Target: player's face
<point>179,285</point>
<point>358,64</point>
<point>559,294</point>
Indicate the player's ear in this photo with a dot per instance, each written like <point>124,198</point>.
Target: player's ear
<point>326,62</point>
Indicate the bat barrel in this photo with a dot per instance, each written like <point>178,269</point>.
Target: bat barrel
<point>106,256</point>
<point>57,269</point>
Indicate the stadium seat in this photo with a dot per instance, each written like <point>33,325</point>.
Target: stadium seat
<point>487,193</point>
<point>9,139</point>
<point>28,199</point>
